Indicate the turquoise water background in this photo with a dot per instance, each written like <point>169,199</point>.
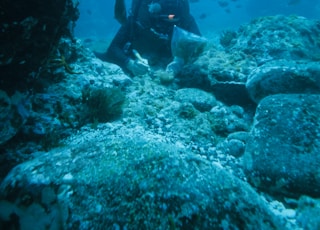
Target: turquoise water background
<point>97,17</point>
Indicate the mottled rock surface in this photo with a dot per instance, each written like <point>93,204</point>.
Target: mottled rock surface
<point>279,37</point>
<point>282,151</point>
<point>129,182</point>
<point>201,100</point>
<point>308,213</point>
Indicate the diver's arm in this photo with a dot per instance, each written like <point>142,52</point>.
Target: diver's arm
<point>120,52</point>
<point>116,52</point>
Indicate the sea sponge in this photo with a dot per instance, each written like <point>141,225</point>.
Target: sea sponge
<point>164,76</point>
<point>227,38</point>
<point>103,104</point>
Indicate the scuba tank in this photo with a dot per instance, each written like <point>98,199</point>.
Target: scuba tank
<point>120,11</point>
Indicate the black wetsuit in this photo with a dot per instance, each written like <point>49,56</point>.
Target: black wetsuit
<point>150,34</point>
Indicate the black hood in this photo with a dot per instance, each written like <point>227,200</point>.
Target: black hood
<point>178,8</point>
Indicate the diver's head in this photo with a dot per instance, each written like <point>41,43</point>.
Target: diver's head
<point>168,10</point>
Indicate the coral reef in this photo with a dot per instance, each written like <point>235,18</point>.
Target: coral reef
<point>228,38</point>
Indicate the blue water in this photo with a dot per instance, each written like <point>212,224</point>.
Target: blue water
<point>97,17</point>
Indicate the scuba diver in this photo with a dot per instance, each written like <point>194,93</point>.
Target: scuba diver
<point>144,38</point>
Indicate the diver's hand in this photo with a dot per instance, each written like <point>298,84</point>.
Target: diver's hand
<point>175,66</point>
<point>137,67</point>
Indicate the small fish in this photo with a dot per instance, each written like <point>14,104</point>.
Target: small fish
<point>88,40</point>
<point>223,3</point>
<point>293,2</point>
<point>202,16</point>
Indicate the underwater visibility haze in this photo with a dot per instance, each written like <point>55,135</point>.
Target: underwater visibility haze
<point>223,133</point>
<point>97,16</point>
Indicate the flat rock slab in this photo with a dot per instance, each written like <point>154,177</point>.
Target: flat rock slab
<point>284,76</point>
<point>283,149</point>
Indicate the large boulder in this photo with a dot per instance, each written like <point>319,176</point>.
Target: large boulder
<point>282,151</point>
<point>104,181</point>
<point>278,37</point>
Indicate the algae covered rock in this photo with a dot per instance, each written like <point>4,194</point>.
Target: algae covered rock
<point>308,213</point>
<point>279,37</point>
<point>282,151</point>
<point>103,182</point>
<point>201,100</point>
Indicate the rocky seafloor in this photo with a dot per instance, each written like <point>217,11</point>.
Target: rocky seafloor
<point>232,143</point>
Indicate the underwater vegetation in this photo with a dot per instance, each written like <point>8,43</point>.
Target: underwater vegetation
<point>61,62</point>
<point>228,38</point>
<point>103,104</point>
